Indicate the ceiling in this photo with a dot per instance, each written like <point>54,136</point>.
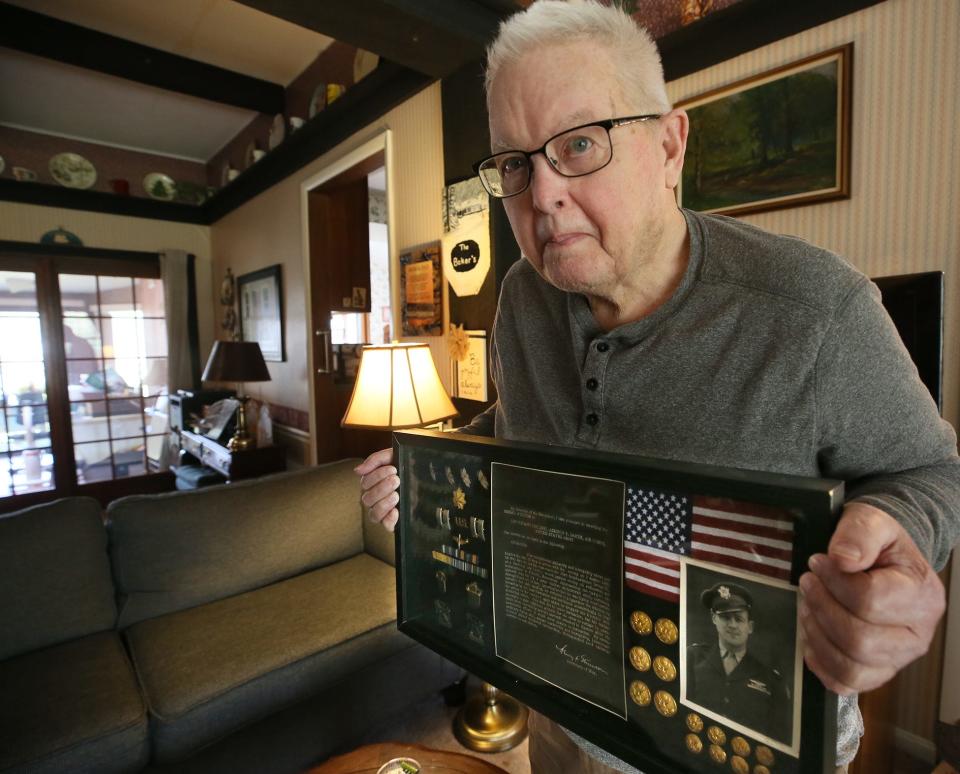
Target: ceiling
<point>63,82</point>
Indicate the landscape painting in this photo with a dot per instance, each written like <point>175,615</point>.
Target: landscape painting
<point>776,140</point>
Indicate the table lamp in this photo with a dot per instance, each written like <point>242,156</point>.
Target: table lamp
<point>397,387</point>
<point>237,361</point>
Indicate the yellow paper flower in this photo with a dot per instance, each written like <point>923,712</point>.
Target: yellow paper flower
<point>458,342</point>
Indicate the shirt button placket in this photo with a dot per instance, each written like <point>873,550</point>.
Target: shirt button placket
<point>596,363</point>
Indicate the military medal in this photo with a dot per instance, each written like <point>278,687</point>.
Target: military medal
<point>459,498</point>
<point>739,765</point>
<point>664,668</point>
<point>764,755</point>
<point>718,754</point>
<point>665,703</point>
<point>694,744</point>
<point>452,481</point>
<point>666,631</point>
<point>465,477</point>
<point>640,693</point>
<point>639,659</point>
<point>694,722</point>
<point>740,746</point>
<point>483,479</point>
<point>641,622</point>
<point>715,734</point>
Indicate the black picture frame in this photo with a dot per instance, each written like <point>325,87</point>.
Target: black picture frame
<point>504,550</point>
<point>260,298</point>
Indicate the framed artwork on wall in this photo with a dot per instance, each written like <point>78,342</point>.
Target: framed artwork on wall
<point>421,297</point>
<point>261,311</point>
<point>778,139</point>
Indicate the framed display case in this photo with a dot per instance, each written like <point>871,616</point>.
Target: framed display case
<point>648,606</point>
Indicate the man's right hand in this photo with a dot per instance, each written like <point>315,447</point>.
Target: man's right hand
<point>379,483</point>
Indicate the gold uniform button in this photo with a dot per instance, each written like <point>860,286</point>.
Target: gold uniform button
<point>665,703</point>
<point>764,755</point>
<point>695,722</point>
<point>666,631</point>
<point>740,746</point>
<point>718,754</point>
<point>664,668</point>
<point>640,693</point>
<point>715,734</point>
<point>640,622</point>
<point>739,765</point>
<point>694,744</point>
<point>639,659</point>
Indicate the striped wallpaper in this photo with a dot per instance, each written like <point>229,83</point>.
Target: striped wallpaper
<point>903,214</point>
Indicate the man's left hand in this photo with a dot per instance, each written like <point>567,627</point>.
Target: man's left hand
<point>870,605</point>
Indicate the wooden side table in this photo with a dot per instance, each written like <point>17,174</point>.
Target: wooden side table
<point>372,756</point>
<point>247,463</point>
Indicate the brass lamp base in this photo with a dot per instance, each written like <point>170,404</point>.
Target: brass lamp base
<point>242,440</point>
<point>491,722</point>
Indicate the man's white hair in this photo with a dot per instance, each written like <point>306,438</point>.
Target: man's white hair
<point>550,22</point>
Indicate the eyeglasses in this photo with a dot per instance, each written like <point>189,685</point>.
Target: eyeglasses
<point>572,153</point>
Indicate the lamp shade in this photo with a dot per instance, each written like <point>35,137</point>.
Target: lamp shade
<point>397,387</point>
<point>236,361</point>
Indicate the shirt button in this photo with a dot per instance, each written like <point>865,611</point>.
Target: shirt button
<point>592,419</point>
<point>602,346</point>
<point>592,383</point>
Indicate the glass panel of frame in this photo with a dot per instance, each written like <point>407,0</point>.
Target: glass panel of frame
<point>610,592</point>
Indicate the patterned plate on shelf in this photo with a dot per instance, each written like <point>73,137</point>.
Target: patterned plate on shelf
<point>160,186</point>
<point>277,131</point>
<point>72,170</point>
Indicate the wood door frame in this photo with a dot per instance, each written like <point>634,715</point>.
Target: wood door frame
<point>382,142</point>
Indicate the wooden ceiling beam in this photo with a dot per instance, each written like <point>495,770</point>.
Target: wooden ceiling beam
<point>45,36</point>
<point>433,37</point>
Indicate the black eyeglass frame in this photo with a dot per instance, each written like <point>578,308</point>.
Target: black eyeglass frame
<point>608,124</point>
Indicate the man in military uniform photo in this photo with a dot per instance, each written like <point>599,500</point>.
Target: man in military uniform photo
<point>724,677</point>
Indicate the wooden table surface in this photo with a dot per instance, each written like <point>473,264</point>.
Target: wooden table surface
<point>372,756</point>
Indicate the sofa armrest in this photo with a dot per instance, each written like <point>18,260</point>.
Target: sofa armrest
<point>377,541</point>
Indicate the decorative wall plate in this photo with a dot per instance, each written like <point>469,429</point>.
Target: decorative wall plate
<point>72,170</point>
<point>277,131</point>
<point>160,186</point>
<point>319,99</point>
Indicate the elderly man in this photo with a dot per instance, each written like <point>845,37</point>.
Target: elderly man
<point>634,326</point>
<point>725,677</point>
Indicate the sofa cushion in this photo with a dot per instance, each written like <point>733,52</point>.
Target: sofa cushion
<point>55,580</point>
<point>180,549</point>
<point>72,707</point>
<point>210,669</point>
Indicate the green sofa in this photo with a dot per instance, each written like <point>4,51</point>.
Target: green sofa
<point>244,627</point>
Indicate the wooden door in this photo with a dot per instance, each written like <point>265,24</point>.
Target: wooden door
<point>339,266</point>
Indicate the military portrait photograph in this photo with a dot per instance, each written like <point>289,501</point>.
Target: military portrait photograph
<point>741,660</point>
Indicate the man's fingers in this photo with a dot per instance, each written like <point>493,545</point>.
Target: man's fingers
<point>899,594</point>
<point>865,643</point>
<point>374,461</point>
<point>385,486</point>
<point>861,535</point>
<point>838,671</point>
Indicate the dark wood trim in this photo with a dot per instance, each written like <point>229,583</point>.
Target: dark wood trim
<point>743,27</point>
<point>385,88</point>
<point>98,201</point>
<point>29,249</point>
<point>36,33</point>
<point>433,37</point>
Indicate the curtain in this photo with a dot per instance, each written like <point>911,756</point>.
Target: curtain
<point>181,370</point>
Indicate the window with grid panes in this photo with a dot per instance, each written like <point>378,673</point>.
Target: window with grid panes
<point>83,372</point>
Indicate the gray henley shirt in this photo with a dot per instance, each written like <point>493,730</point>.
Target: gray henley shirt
<point>771,355</point>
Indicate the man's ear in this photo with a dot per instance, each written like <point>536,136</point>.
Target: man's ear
<point>676,125</point>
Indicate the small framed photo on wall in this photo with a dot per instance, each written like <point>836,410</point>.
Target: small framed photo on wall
<point>261,311</point>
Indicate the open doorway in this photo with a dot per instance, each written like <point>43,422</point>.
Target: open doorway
<point>347,249</point>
